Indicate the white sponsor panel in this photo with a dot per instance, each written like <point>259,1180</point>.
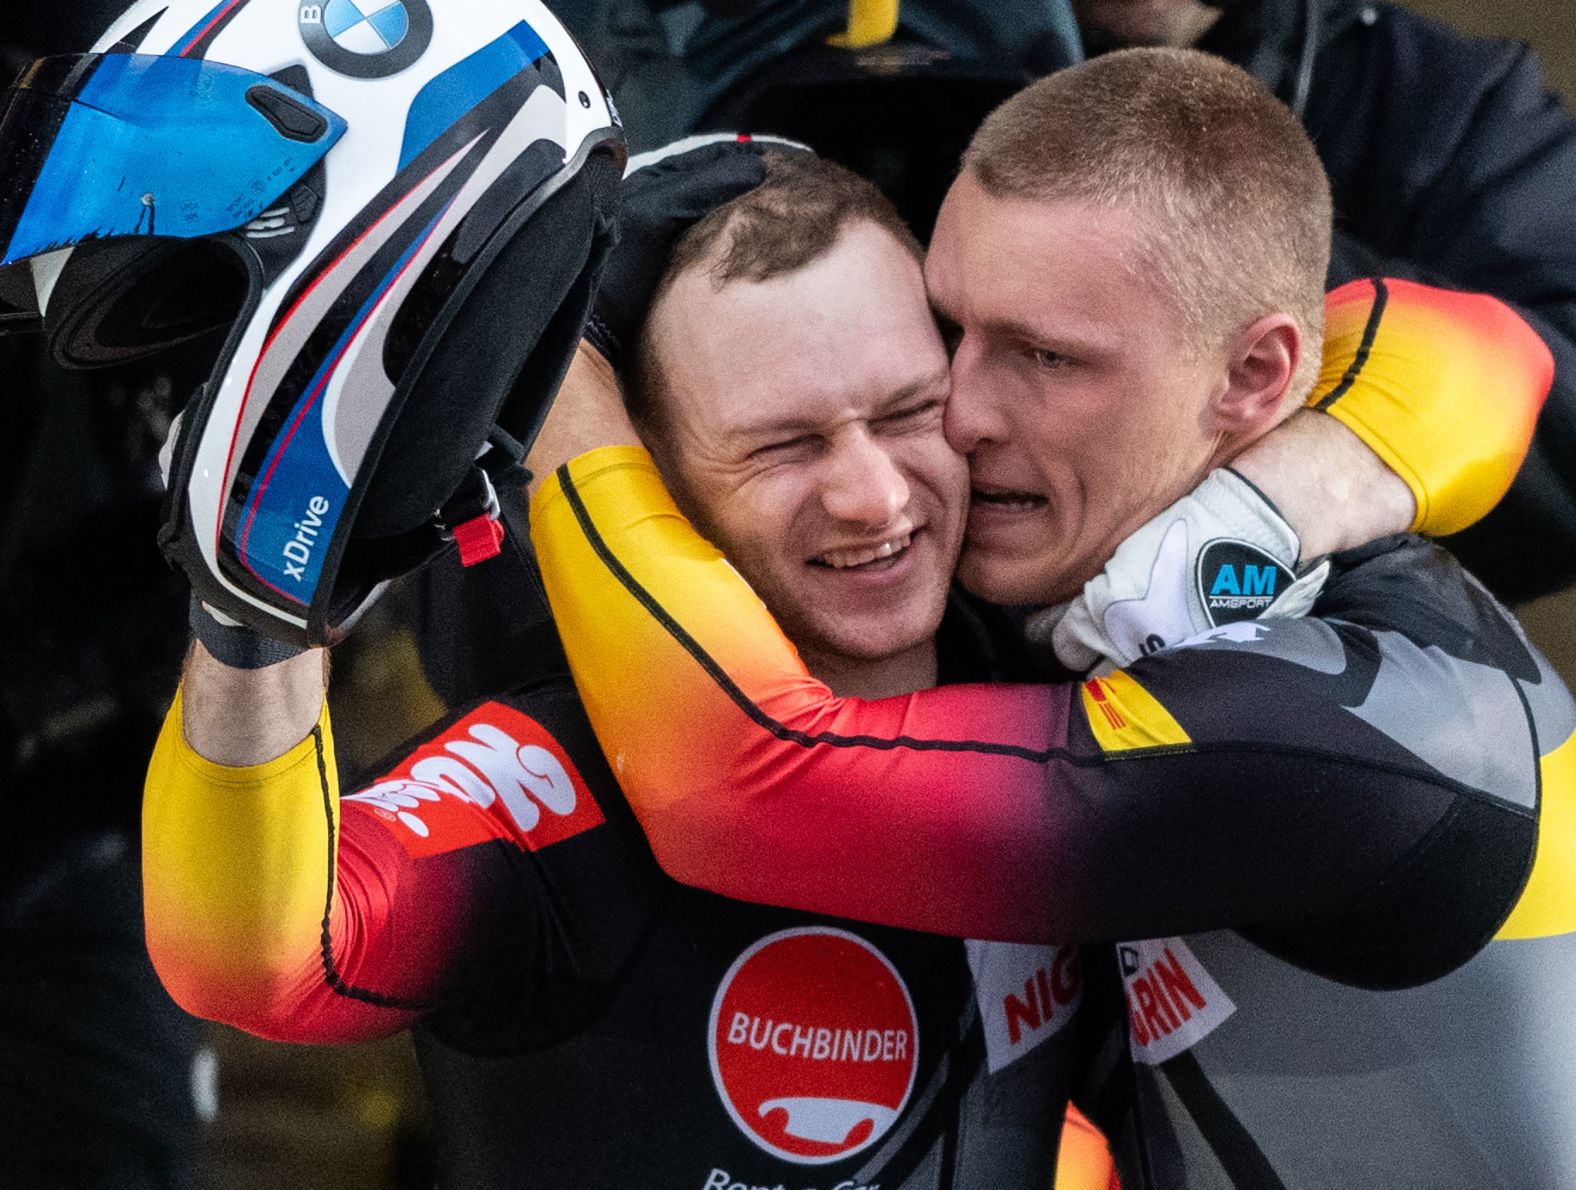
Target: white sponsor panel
<point>1173,1003</point>
<point>1026,995</point>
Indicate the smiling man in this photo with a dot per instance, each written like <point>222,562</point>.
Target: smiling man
<point>1339,813</point>
<point>843,504</point>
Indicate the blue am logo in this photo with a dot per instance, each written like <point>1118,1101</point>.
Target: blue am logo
<point>1237,581</point>
<point>366,38</point>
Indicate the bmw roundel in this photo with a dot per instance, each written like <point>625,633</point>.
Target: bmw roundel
<point>366,38</point>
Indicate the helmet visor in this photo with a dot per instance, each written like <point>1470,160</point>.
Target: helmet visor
<point>98,145</point>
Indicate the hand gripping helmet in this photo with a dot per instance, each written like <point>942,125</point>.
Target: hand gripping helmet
<point>415,197</point>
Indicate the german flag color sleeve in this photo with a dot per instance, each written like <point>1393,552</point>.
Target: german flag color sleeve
<point>1444,386</point>
<point>277,906</point>
<point>1206,787</point>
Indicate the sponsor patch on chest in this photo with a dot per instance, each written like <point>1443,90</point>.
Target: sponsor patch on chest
<point>814,1044</point>
<point>1172,1001</point>
<point>1026,995</point>
<point>496,759</point>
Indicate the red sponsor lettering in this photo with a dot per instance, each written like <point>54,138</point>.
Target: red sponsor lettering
<point>1163,995</point>
<point>1173,1002</point>
<point>1178,987</point>
<point>497,761</point>
<point>1043,992</point>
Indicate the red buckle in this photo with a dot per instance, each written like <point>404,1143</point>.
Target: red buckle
<point>479,539</point>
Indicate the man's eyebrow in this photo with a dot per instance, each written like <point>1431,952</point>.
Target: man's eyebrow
<point>936,385</point>
<point>1014,328</point>
<point>1019,329</point>
<point>1070,340</point>
<point>770,427</point>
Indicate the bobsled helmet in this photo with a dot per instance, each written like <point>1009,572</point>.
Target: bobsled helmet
<point>395,209</point>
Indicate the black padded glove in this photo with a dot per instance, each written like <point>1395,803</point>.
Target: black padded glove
<point>665,193</point>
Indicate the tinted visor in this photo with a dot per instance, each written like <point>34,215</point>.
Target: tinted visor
<point>99,145</point>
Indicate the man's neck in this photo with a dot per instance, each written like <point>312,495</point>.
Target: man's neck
<point>902,673</point>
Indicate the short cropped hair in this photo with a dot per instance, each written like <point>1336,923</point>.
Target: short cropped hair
<point>791,220</point>
<point>1234,200</point>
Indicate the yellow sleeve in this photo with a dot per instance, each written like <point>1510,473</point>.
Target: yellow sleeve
<point>1445,387</point>
<point>742,767</point>
<point>630,659</point>
<point>237,868</point>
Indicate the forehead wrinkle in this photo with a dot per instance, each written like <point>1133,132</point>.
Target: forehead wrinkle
<point>1019,245</point>
<point>1081,342</point>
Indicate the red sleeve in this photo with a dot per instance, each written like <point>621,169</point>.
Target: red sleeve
<point>278,907</point>
<point>1208,787</point>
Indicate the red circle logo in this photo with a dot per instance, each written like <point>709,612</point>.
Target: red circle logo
<point>814,1044</point>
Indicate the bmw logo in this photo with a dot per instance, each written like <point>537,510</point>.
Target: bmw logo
<point>369,39</point>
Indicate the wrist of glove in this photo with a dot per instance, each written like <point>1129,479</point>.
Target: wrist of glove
<point>666,192</point>
<point>1218,556</point>
<point>233,643</point>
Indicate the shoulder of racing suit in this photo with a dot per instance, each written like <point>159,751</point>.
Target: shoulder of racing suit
<point>1444,897</point>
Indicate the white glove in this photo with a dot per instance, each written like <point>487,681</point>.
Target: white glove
<point>1218,555</point>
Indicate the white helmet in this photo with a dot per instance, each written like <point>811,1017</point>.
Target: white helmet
<point>419,194</point>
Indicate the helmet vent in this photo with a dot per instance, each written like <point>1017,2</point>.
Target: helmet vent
<point>292,120</point>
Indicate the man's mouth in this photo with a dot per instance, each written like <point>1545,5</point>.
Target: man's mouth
<point>1005,499</point>
<point>875,556</point>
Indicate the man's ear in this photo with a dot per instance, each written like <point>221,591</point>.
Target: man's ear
<point>1261,362</point>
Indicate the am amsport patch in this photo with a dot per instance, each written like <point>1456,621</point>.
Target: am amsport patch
<point>1238,581</point>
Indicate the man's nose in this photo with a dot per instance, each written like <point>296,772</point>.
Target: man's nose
<point>972,413</point>
<point>864,485</point>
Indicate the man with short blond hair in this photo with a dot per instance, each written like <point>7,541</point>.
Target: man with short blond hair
<point>1450,161</point>
<point>1116,335</point>
<point>1235,206</point>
